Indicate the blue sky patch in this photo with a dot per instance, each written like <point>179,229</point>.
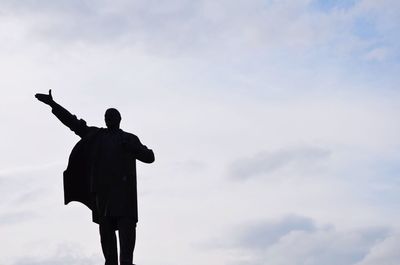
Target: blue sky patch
<point>365,28</point>
<point>328,5</point>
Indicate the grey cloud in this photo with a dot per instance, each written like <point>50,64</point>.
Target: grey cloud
<point>265,163</point>
<point>385,252</point>
<point>267,233</point>
<point>29,196</point>
<point>298,240</point>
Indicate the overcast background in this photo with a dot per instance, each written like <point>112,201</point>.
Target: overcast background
<point>274,123</point>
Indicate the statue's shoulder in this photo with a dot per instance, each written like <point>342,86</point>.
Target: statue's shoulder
<point>93,130</point>
<point>91,133</point>
<point>128,134</point>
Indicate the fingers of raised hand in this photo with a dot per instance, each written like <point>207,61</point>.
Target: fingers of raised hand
<point>38,96</point>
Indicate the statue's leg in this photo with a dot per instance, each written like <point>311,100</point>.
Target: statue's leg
<point>108,240</point>
<point>127,239</point>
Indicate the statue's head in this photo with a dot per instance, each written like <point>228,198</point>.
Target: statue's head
<point>112,118</point>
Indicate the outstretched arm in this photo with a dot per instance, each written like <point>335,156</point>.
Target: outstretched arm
<point>68,119</point>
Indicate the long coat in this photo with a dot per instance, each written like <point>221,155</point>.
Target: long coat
<point>81,178</point>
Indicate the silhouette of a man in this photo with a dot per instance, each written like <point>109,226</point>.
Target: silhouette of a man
<point>101,174</point>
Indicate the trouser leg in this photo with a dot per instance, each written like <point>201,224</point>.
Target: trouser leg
<point>127,240</point>
<point>108,241</point>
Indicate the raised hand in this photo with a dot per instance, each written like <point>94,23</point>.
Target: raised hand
<point>47,99</point>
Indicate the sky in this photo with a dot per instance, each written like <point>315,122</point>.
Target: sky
<point>273,125</point>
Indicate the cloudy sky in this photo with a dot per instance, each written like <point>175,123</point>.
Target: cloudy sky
<point>274,124</point>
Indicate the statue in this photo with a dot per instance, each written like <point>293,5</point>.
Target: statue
<point>101,174</point>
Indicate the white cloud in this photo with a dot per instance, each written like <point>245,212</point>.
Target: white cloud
<point>263,163</point>
<point>378,54</point>
<point>12,218</point>
<point>64,254</point>
<point>185,27</point>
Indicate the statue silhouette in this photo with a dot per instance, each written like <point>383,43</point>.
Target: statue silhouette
<point>101,174</point>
